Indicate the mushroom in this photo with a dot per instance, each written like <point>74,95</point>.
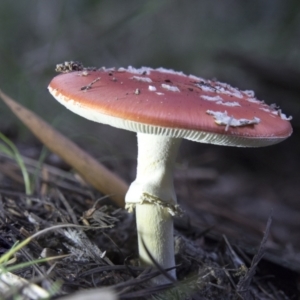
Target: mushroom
<point>164,106</point>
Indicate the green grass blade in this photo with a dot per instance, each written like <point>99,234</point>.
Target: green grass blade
<point>33,262</point>
<point>12,150</point>
<point>5,257</point>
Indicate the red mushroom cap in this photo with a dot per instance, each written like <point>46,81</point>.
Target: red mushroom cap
<point>165,102</point>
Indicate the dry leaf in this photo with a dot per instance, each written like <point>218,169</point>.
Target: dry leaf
<point>89,168</point>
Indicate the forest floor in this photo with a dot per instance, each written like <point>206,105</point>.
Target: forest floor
<point>237,239</point>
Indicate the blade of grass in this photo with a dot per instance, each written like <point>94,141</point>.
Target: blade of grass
<point>14,152</point>
<point>17,246</point>
<point>30,263</point>
<point>89,168</point>
<point>4,149</point>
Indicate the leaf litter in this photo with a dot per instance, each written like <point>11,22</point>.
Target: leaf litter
<point>103,253</point>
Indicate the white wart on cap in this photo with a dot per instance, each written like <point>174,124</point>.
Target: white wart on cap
<point>165,102</point>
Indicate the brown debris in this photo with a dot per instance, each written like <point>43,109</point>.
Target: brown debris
<point>206,268</point>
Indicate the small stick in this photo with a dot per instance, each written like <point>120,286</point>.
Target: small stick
<point>89,86</point>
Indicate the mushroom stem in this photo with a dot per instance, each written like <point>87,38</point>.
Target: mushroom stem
<point>153,195</point>
<point>155,232</point>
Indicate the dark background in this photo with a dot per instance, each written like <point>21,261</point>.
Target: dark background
<point>249,44</point>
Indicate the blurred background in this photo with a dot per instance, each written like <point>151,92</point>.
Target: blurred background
<point>252,45</point>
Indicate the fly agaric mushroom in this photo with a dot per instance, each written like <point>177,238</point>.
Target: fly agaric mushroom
<point>164,106</point>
